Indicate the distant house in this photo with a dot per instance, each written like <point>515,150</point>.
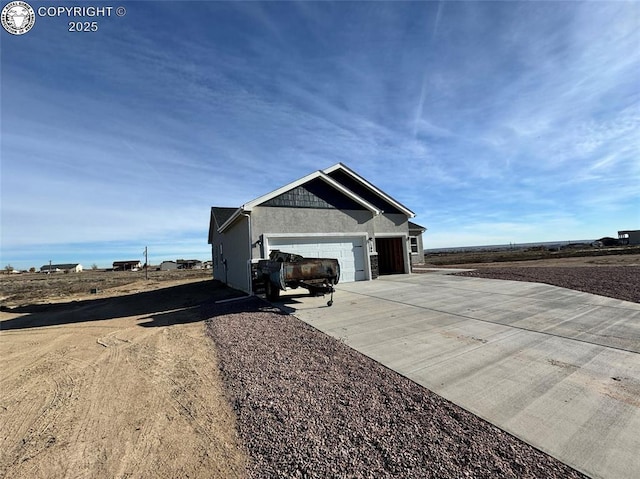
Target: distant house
<point>168,266</point>
<point>131,265</point>
<point>629,237</point>
<point>189,264</point>
<point>56,268</point>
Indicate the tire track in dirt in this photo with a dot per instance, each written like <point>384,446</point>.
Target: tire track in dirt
<point>37,428</point>
<point>125,396</point>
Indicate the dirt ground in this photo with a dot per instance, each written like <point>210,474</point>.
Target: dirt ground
<point>572,255</point>
<point>122,383</point>
<point>581,261</point>
<point>113,375</point>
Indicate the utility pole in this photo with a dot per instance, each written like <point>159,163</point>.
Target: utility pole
<point>146,264</point>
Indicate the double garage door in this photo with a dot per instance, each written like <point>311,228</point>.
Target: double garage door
<point>348,250</point>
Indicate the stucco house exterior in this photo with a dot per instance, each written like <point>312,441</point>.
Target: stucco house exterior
<point>330,213</point>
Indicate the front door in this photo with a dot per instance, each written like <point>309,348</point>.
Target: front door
<point>390,255</point>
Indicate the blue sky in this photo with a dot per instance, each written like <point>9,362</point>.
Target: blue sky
<point>496,122</point>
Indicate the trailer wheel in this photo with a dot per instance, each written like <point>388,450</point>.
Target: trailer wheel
<point>273,292</point>
<point>330,302</point>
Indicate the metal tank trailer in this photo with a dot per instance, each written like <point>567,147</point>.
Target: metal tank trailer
<point>287,270</point>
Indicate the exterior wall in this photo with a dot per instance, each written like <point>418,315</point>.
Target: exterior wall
<point>243,240</point>
<point>306,220</point>
<point>230,255</point>
<point>417,258</point>
<point>56,268</point>
<point>630,237</point>
<point>325,221</point>
<point>284,220</point>
<point>49,270</point>
<point>168,266</point>
<point>375,271</point>
<point>389,224</point>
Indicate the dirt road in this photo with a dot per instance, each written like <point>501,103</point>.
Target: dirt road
<point>122,386</point>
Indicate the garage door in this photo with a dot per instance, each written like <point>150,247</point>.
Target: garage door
<point>349,251</point>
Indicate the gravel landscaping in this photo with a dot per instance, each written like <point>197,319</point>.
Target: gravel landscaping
<point>620,282</point>
<point>308,406</point>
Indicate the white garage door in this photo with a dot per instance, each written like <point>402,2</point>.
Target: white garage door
<point>349,251</point>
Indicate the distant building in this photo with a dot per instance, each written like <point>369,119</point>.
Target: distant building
<point>168,266</point>
<point>56,268</point>
<point>189,264</point>
<point>629,237</point>
<point>131,265</point>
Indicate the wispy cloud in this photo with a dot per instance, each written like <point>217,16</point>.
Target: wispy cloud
<point>489,119</point>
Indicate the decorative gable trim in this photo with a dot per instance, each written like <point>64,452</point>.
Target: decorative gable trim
<point>316,174</point>
<point>377,191</point>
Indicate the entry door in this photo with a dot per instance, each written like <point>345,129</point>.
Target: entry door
<point>390,255</point>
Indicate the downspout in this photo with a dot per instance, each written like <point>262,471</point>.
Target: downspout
<point>250,285</point>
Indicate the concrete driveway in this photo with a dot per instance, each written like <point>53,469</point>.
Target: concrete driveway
<point>557,368</point>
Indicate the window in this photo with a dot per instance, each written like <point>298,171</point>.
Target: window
<point>414,244</point>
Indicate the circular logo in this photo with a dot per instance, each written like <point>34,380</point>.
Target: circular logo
<point>18,17</point>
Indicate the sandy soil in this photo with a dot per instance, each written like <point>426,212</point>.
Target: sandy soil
<point>605,260</point>
<point>116,386</point>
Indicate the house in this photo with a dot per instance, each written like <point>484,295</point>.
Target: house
<point>629,237</point>
<point>330,213</point>
<point>56,268</point>
<point>130,265</point>
<point>168,266</point>
<point>189,264</point>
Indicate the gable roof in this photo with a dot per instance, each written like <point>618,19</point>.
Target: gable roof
<point>416,227</point>
<point>224,217</point>
<point>219,216</point>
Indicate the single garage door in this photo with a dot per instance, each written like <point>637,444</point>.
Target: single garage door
<point>349,251</point>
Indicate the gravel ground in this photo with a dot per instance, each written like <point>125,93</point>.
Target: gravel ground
<point>620,282</point>
<point>309,406</point>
